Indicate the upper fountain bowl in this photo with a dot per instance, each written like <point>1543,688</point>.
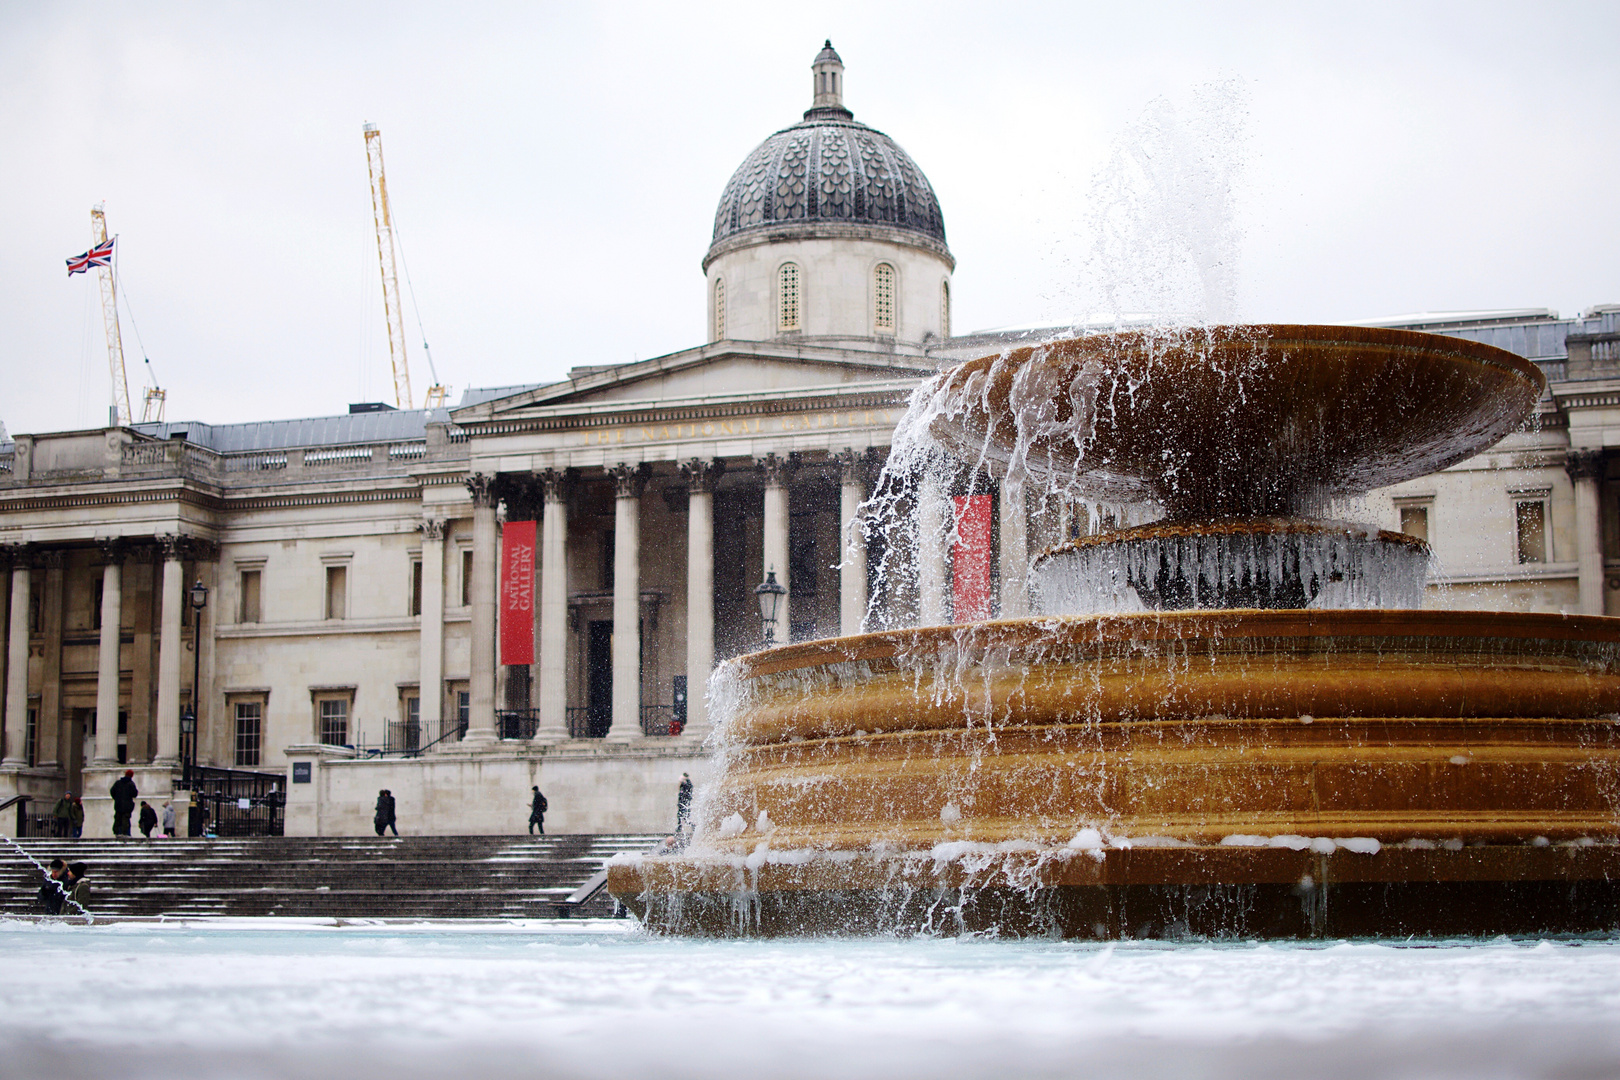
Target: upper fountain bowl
<point>1225,421</point>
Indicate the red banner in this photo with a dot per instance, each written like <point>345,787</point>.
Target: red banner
<point>970,559</point>
<point>517,592</point>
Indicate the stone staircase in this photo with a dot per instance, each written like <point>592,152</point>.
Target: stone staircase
<point>342,877</point>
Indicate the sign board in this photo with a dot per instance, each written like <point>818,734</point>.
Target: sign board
<point>517,592</point>
<point>301,771</point>
<point>970,559</point>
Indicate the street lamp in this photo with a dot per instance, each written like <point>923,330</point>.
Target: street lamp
<point>188,719</point>
<point>769,594</point>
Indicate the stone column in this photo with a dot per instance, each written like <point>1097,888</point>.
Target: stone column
<point>430,658</point>
<point>1014,552</point>
<point>16,754</point>
<point>554,608</point>
<point>171,614</point>
<point>700,478</point>
<point>628,481</point>
<point>852,568</point>
<point>931,553</point>
<point>112,612</point>
<point>481,676</point>
<point>53,751</point>
<point>1585,468</point>
<point>777,523</point>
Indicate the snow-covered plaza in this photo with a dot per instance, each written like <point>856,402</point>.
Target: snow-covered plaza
<point>598,1000</point>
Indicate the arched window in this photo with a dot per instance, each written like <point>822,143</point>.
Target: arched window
<point>945,309</point>
<point>883,294</point>
<point>719,309</point>
<point>787,297</point>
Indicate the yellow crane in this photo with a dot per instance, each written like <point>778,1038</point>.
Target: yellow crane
<point>153,404</point>
<point>386,259</point>
<point>109,317</point>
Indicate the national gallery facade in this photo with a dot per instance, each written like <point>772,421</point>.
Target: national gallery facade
<point>531,588</point>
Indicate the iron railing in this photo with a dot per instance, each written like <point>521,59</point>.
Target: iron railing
<point>516,723</point>
<point>237,802</point>
<point>658,720</point>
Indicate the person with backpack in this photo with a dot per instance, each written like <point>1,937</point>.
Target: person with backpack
<point>537,813</point>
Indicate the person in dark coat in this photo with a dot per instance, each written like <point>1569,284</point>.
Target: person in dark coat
<point>537,813</point>
<point>52,894</point>
<point>683,803</point>
<point>148,819</point>
<point>384,818</point>
<point>76,818</point>
<point>62,812</point>
<point>123,794</point>
<point>77,901</point>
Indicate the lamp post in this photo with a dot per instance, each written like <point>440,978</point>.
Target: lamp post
<point>769,593</point>
<point>188,719</point>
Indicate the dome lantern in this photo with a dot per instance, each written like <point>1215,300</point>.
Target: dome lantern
<point>828,74</point>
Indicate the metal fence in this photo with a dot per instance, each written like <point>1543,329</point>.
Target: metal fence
<point>237,802</point>
<point>516,723</point>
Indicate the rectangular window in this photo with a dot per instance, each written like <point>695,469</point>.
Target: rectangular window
<point>884,288</point>
<point>1531,520</point>
<point>1415,521</point>
<point>33,736</point>
<point>416,586</point>
<point>787,288</point>
<point>466,577</point>
<point>413,723</point>
<point>463,708</point>
<point>605,557</point>
<point>334,721</point>
<point>249,612</point>
<point>95,603</point>
<point>249,730</point>
<point>337,591</point>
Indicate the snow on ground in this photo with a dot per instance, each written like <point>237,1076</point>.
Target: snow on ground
<point>285,998</point>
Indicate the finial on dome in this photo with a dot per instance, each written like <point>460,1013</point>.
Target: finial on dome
<point>828,72</point>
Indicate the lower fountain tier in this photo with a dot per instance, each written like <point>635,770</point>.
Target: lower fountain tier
<point>1421,772</point>
<point>1232,563</point>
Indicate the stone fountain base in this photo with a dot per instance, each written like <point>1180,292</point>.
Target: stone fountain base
<point>1287,773</point>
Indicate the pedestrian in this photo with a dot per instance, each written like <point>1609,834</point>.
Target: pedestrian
<point>62,814</point>
<point>76,888</point>
<point>168,819</point>
<point>76,818</point>
<point>148,820</point>
<point>51,894</point>
<point>683,804</point>
<point>123,792</point>
<point>537,813</point>
<point>384,818</point>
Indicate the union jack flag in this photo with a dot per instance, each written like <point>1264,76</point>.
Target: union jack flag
<point>100,255</point>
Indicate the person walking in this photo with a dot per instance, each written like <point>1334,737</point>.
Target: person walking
<point>168,819</point>
<point>76,818</point>
<point>384,818</point>
<point>683,804</point>
<point>537,813</point>
<point>123,792</point>
<point>148,819</point>
<point>62,813</point>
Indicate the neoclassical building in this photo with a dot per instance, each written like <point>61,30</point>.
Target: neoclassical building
<point>533,587</point>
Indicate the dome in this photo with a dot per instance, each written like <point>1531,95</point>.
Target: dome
<point>829,170</point>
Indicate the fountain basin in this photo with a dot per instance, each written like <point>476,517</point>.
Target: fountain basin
<point>1222,772</point>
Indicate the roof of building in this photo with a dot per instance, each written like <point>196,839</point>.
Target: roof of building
<point>828,169</point>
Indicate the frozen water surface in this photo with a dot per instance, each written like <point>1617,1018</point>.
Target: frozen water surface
<point>601,1000</point>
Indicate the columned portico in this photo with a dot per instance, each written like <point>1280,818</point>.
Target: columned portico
<point>16,715</point>
<point>107,658</point>
<point>700,476</point>
<point>171,606</point>
<point>852,567</point>
<point>628,481</point>
<point>1586,469</point>
<point>481,602</point>
<point>775,470</point>
<point>554,608</point>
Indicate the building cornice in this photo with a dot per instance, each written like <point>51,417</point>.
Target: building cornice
<point>789,232</point>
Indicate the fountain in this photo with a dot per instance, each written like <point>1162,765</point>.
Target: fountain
<point>1234,721</point>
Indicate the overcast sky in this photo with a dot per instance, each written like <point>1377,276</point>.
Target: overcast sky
<point>554,170</point>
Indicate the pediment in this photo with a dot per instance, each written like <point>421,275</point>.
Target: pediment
<point>720,370</point>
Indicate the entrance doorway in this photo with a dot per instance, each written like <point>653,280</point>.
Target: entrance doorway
<point>599,679</point>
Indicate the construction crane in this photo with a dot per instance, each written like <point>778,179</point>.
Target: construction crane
<point>121,414</point>
<point>386,259</point>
